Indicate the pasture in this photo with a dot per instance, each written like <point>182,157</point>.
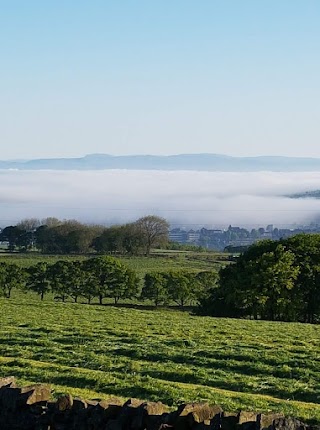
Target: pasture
<point>158,260</point>
<point>168,355</point>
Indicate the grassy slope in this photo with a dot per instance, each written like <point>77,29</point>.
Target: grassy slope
<point>97,351</point>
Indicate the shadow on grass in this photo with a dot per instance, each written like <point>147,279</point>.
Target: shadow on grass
<point>142,307</point>
<point>128,387</point>
<point>235,386</point>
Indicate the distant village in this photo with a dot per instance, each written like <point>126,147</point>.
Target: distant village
<point>235,238</point>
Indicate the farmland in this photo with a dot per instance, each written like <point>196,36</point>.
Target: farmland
<point>157,261</point>
<point>168,355</point>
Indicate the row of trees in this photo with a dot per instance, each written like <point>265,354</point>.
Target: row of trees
<point>274,280</point>
<point>105,277</point>
<point>64,237</point>
<point>99,277</point>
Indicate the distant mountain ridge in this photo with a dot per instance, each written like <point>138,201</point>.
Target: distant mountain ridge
<point>197,162</point>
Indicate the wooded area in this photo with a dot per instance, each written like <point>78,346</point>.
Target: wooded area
<point>274,280</point>
<point>54,236</point>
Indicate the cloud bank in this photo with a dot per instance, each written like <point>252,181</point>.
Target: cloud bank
<point>185,198</point>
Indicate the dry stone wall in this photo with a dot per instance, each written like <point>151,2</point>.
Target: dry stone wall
<point>31,408</point>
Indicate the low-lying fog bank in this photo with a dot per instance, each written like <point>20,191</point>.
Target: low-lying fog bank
<point>186,198</point>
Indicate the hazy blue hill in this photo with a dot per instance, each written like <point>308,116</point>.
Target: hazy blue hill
<point>306,195</point>
<point>201,162</point>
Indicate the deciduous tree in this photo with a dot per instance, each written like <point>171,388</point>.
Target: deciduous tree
<point>154,231</point>
<point>155,288</point>
<point>38,279</point>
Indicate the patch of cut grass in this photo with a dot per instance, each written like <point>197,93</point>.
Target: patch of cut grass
<point>100,351</point>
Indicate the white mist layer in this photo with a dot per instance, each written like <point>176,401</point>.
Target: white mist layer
<point>185,198</point>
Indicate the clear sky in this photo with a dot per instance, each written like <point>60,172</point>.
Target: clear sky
<point>238,77</point>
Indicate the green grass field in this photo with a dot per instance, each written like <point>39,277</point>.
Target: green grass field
<point>100,351</point>
<point>157,261</point>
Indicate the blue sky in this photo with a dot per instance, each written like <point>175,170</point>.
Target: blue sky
<point>238,77</point>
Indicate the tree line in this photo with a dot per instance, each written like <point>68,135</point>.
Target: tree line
<point>53,236</point>
<point>273,280</point>
<point>105,277</point>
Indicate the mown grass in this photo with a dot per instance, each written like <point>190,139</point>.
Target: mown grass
<point>100,351</point>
